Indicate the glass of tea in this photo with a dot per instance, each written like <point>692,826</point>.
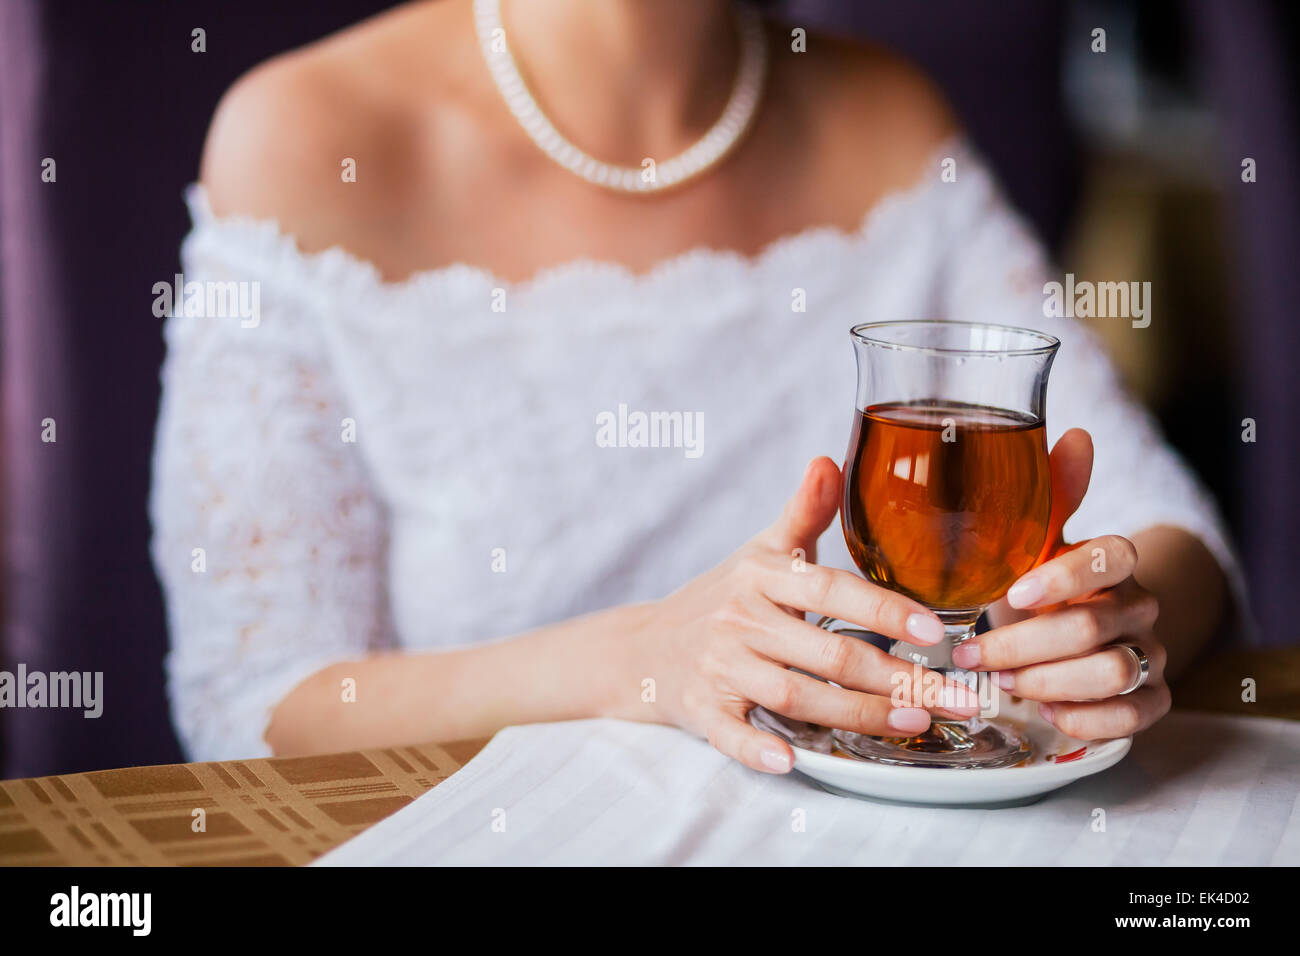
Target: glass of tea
<point>947,494</point>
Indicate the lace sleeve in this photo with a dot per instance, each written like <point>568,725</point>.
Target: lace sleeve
<point>267,537</point>
<point>995,271</point>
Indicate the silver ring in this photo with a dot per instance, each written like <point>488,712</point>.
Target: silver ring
<point>1143,663</point>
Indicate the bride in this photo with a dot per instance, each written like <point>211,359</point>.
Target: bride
<point>381,512</point>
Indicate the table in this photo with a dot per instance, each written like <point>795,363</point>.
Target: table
<point>269,812</point>
<point>287,811</point>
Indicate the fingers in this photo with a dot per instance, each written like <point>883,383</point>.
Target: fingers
<point>1071,468</point>
<point>1093,565</point>
<point>829,591</point>
<point>855,664</point>
<point>1101,675</point>
<point>809,512</point>
<point>805,698</point>
<point>1067,631</point>
<point>741,741</point>
<point>844,595</point>
<point>1108,719</point>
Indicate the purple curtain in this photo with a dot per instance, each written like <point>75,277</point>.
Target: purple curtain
<point>1252,84</point>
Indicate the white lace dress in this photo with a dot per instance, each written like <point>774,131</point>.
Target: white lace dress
<point>415,464</point>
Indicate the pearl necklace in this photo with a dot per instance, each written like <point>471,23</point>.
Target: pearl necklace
<point>651,176</point>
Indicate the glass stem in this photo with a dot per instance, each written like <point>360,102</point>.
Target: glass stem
<point>958,628</point>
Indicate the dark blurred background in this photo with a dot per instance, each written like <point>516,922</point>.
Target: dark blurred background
<point>1127,162</point>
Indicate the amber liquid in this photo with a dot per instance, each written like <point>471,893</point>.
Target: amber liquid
<point>950,523</point>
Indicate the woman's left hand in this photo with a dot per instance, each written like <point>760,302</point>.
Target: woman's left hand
<point>1055,630</point>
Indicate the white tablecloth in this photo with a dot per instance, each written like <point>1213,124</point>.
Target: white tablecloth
<point>1196,789</point>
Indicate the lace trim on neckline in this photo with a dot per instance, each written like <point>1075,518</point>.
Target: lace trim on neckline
<point>262,245</point>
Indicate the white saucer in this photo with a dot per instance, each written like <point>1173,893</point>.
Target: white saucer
<point>1055,761</point>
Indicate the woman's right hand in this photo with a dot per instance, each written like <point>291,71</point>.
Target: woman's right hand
<point>726,641</point>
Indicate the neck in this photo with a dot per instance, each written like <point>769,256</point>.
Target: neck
<point>625,79</point>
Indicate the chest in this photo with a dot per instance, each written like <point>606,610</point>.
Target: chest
<point>545,216</point>
<point>593,436</point>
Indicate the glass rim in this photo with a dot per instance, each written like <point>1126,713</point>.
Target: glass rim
<point>1050,342</point>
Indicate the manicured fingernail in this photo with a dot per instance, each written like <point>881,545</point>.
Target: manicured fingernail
<point>1006,681</point>
<point>967,655</point>
<point>910,720</point>
<point>1026,592</point>
<point>926,629</point>
<point>1045,712</point>
<point>775,760</point>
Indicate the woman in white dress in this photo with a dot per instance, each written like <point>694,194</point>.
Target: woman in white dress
<point>383,513</point>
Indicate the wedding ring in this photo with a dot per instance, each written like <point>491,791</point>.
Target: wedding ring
<point>1143,664</point>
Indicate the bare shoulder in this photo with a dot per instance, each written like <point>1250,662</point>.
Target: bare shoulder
<point>876,112</point>
<point>285,134</point>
